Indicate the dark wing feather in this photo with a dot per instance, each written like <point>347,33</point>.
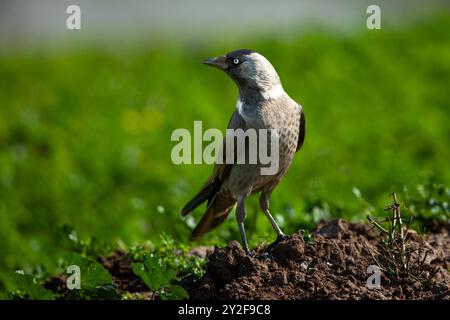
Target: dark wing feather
<point>206,193</point>
<point>301,129</point>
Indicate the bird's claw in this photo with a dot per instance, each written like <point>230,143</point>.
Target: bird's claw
<point>266,256</point>
<point>280,237</point>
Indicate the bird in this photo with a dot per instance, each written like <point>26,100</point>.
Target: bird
<point>262,104</point>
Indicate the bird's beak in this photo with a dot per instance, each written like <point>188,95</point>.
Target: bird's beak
<point>218,62</point>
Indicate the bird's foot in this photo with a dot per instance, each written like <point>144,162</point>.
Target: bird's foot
<point>280,237</point>
<point>247,251</point>
<point>266,256</point>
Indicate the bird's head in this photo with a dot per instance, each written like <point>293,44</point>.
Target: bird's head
<point>249,69</point>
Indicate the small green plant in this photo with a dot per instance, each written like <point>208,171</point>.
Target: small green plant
<point>92,247</point>
<point>96,281</point>
<point>396,257</point>
<point>429,201</point>
<point>159,278</point>
<point>172,254</point>
<point>29,287</point>
<point>307,237</point>
<point>161,266</point>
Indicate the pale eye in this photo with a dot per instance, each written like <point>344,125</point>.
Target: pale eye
<point>236,61</point>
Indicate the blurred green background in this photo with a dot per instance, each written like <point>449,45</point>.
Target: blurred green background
<point>85,132</point>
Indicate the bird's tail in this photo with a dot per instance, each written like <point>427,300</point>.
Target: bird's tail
<point>211,219</point>
<point>219,204</point>
<point>206,193</point>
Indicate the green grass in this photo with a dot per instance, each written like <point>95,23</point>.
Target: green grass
<point>85,135</point>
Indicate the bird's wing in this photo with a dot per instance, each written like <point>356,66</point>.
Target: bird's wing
<point>220,172</point>
<point>301,129</point>
<point>220,202</point>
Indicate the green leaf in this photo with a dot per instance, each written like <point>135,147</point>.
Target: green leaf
<point>107,291</point>
<point>30,288</point>
<point>179,292</point>
<point>139,270</point>
<point>154,274</point>
<point>93,275</point>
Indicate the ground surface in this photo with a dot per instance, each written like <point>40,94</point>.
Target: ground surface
<point>333,265</point>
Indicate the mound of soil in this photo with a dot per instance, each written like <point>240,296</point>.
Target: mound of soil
<point>333,266</point>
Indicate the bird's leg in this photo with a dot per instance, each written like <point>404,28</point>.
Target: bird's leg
<point>240,215</point>
<point>264,204</point>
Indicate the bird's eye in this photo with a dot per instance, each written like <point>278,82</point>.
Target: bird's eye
<point>236,61</point>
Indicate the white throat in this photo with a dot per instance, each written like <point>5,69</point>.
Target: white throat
<point>241,110</point>
<point>240,107</point>
<point>273,93</point>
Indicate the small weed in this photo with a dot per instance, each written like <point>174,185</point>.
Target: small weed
<point>161,266</point>
<point>172,254</point>
<point>396,257</point>
<point>307,237</point>
<point>429,201</point>
<point>159,278</point>
<point>92,247</point>
<point>96,281</point>
<point>29,287</point>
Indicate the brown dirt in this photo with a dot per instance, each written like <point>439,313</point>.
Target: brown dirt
<point>119,266</point>
<point>333,266</point>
